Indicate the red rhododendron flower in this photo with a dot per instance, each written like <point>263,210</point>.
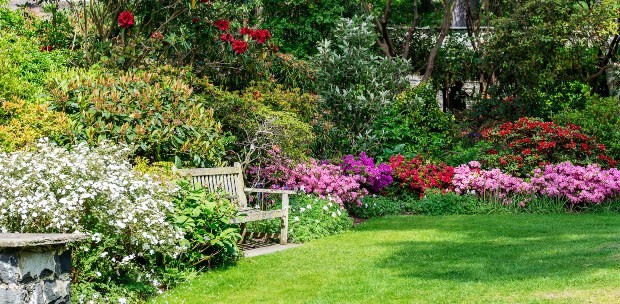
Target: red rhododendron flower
<point>226,37</point>
<point>195,20</point>
<point>239,46</point>
<point>126,20</point>
<point>246,31</point>
<point>260,35</point>
<point>223,25</point>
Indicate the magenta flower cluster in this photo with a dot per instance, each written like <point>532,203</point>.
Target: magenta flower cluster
<point>326,181</point>
<point>590,184</point>
<point>470,178</point>
<point>371,176</point>
<point>578,184</point>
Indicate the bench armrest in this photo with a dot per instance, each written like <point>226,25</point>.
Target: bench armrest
<point>274,191</point>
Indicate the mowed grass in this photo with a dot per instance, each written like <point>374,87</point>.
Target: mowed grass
<point>418,259</point>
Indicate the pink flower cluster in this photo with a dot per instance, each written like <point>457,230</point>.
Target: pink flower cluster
<point>590,184</point>
<point>326,181</point>
<point>578,184</point>
<point>470,177</point>
<point>372,176</point>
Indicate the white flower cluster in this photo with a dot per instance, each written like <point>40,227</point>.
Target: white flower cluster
<point>88,190</point>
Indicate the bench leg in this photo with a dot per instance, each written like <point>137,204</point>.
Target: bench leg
<point>284,224</point>
<point>243,233</point>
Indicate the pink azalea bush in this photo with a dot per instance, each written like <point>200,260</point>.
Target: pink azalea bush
<point>374,177</point>
<point>326,181</point>
<point>579,184</point>
<point>471,178</point>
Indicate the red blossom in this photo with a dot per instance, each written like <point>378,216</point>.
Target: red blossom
<point>227,38</point>
<point>260,36</point>
<point>222,25</point>
<point>246,31</point>
<point>239,46</point>
<point>126,20</point>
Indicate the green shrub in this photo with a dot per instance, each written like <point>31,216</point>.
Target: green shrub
<point>23,123</point>
<point>309,218</point>
<point>599,118</point>
<point>375,206</point>
<point>205,218</point>
<point>263,119</point>
<point>24,69</point>
<point>415,121</point>
<point>299,24</point>
<point>156,111</point>
<point>354,84</point>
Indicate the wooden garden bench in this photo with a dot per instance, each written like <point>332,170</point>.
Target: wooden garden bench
<point>230,180</point>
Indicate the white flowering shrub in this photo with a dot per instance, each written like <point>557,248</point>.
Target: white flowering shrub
<point>95,191</point>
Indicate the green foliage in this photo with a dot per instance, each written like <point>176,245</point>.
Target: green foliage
<point>178,33</point>
<point>464,152</point>
<point>299,24</point>
<point>264,117</point>
<point>205,219</point>
<point>293,72</point>
<point>599,118</point>
<point>23,123</point>
<point>24,69</point>
<point>538,46</point>
<point>376,206</point>
<point>415,121</point>
<point>435,202</point>
<point>309,218</point>
<point>154,110</point>
<point>312,218</point>
<point>354,85</point>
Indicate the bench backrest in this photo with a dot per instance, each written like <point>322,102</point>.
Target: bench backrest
<point>227,179</point>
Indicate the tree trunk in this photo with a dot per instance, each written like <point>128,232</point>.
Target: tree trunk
<point>459,13</point>
<point>445,27</point>
<point>416,16</point>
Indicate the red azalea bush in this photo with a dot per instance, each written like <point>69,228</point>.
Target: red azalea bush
<point>419,175</point>
<point>126,20</point>
<point>239,46</point>
<point>528,143</point>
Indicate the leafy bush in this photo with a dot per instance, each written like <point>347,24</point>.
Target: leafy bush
<point>375,206</point>
<point>94,191</point>
<point>373,177</point>
<point>312,218</point>
<point>263,117</point>
<point>23,123</point>
<point>599,118</point>
<point>415,120</point>
<point>155,110</point>
<point>354,85</point>
<point>24,69</point>
<point>300,24</point>
<point>205,218</point>
<point>418,175</point>
<point>528,143</point>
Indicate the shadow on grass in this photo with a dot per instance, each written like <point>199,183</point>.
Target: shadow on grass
<point>488,249</point>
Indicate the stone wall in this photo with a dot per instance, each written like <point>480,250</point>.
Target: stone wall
<point>35,275</point>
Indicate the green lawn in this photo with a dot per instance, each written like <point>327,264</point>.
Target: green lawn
<point>416,259</point>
